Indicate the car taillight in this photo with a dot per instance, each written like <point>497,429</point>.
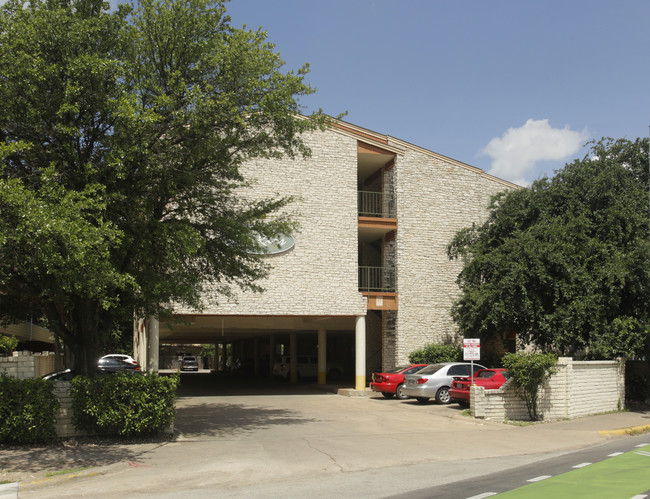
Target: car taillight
<point>379,378</point>
<point>422,380</point>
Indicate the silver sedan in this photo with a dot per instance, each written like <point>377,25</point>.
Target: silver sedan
<point>435,380</point>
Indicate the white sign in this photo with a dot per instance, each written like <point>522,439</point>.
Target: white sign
<point>471,349</point>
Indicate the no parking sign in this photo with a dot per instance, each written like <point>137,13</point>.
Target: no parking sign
<point>471,349</point>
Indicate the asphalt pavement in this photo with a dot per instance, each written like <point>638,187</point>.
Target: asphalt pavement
<point>234,438</point>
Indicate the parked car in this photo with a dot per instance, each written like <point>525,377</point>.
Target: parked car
<point>306,367</point>
<point>121,356</point>
<point>107,365</point>
<point>189,363</point>
<point>488,378</point>
<point>435,380</point>
<point>65,375</point>
<point>115,364</point>
<point>390,383</point>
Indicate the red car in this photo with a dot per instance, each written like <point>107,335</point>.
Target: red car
<point>389,384</point>
<point>488,378</point>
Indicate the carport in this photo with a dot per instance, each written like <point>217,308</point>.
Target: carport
<point>259,338</point>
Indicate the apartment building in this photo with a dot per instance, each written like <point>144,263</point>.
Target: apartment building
<point>366,279</point>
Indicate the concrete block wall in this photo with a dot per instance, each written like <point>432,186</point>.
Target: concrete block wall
<point>26,365</point>
<point>63,425</point>
<point>578,388</point>
<point>20,365</point>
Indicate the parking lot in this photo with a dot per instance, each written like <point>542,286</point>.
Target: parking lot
<point>243,437</point>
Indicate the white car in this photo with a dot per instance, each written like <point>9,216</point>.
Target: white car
<point>435,380</point>
<point>306,366</point>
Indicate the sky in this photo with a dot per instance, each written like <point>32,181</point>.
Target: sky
<point>513,87</point>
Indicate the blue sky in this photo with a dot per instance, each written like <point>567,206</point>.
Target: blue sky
<point>514,87</point>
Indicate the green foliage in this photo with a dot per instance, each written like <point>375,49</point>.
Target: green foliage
<point>433,354</point>
<point>208,350</point>
<point>565,263</point>
<point>122,134</point>
<point>528,372</point>
<point>8,344</point>
<point>124,405</point>
<point>27,411</point>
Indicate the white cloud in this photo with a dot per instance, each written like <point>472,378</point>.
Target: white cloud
<point>516,153</point>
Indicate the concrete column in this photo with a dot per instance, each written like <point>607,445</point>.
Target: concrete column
<point>293,354</point>
<point>271,354</point>
<point>360,353</point>
<point>140,342</point>
<point>322,355</point>
<point>153,344</point>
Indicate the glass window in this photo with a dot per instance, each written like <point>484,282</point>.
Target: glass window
<point>433,368</point>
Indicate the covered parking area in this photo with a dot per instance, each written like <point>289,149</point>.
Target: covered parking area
<point>254,341</point>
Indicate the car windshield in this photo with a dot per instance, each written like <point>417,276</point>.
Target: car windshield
<point>398,369</point>
<point>484,374</point>
<point>433,368</point>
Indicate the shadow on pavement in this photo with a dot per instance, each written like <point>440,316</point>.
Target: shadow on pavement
<point>222,419</point>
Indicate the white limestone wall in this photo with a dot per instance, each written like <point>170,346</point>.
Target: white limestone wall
<point>435,198</point>
<point>578,388</point>
<point>319,276</point>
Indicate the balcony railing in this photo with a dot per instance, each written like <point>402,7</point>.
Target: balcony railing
<point>378,279</point>
<point>376,204</point>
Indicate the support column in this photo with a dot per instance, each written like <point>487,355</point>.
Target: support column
<point>153,344</point>
<point>322,355</point>
<point>293,361</point>
<point>360,353</point>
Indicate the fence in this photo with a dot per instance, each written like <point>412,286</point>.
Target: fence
<point>578,388</point>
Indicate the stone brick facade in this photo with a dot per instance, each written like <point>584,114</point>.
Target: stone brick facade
<point>571,392</point>
<point>431,196</point>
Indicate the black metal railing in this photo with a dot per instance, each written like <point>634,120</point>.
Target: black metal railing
<point>379,279</point>
<point>376,204</point>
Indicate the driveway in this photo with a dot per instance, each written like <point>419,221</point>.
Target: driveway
<point>272,438</point>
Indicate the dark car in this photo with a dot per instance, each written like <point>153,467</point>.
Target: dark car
<point>104,366</point>
<point>114,365</point>
<point>189,363</point>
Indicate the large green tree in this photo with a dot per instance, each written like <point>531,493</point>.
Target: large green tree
<point>565,263</point>
<point>122,134</point>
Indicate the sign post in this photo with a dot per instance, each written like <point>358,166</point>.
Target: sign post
<point>472,352</point>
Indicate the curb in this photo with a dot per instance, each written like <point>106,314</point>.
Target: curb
<point>632,430</point>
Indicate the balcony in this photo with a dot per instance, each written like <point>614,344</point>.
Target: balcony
<point>376,204</point>
<point>377,279</point>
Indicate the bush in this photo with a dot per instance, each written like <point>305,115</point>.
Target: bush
<point>122,404</point>
<point>7,344</point>
<point>528,372</point>
<point>27,410</point>
<point>432,354</point>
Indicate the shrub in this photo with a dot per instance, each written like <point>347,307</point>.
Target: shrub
<point>432,354</point>
<point>7,344</point>
<point>27,410</point>
<point>122,404</point>
<point>528,372</point>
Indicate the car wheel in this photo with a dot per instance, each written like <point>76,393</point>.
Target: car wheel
<point>399,393</point>
<point>387,395</point>
<point>442,395</point>
<point>422,400</point>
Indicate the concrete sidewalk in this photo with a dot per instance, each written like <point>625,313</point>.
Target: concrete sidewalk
<point>233,441</point>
